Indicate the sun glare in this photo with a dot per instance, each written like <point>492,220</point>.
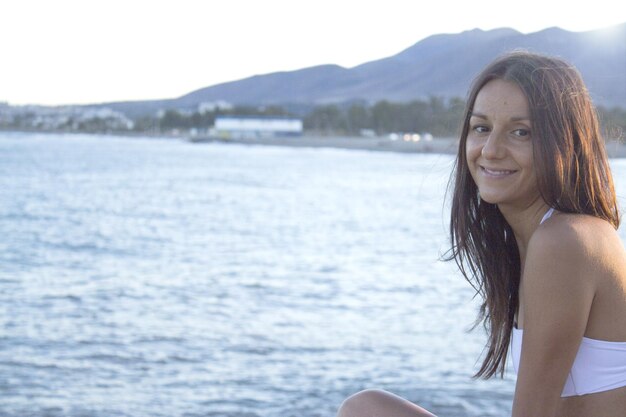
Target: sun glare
<point>611,34</point>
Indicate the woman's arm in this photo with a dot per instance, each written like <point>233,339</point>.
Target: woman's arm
<point>557,290</point>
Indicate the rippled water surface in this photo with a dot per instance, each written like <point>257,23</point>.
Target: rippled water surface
<point>144,277</point>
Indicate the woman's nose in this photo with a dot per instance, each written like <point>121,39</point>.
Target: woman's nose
<point>493,147</point>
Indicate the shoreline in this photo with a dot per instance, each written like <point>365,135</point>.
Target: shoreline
<point>615,148</point>
<point>436,145</point>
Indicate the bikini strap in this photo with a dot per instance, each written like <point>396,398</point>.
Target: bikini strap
<point>547,215</point>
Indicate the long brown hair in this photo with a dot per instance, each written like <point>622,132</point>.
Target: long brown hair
<point>573,177</point>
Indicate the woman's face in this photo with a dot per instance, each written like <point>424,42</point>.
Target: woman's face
<point>499,146</point>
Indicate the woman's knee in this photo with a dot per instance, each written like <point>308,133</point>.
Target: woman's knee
<point>360,404</point>
<point>373,402</point>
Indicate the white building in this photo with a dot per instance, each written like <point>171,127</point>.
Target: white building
<point>211,106</point>
<point>251,127</point>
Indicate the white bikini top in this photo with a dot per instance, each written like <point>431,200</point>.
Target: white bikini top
<point>599,365</point>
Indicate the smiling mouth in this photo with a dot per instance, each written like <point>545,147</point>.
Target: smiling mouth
<point>497,172</point>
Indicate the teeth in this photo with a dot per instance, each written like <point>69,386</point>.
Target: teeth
<point>497,172</point>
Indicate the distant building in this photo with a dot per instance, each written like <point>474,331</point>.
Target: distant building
<point>211,106</point>
<point>66,118</point>
<point>253,127</point>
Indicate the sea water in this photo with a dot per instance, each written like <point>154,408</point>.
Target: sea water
<point>152,277</point>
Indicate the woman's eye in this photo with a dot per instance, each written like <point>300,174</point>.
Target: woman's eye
<point>521,132</point>
<point>480,129</point>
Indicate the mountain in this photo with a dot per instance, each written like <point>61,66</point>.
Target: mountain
<point>440,65</point>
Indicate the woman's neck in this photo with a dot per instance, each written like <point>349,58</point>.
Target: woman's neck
<point>524,222</point>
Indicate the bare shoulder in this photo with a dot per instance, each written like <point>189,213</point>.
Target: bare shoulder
<point>578,245</point>
<point>579,260</point>
<point>577,234</point>
<point>560,279</point>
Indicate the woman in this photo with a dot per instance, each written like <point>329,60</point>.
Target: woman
<point>533,228</point>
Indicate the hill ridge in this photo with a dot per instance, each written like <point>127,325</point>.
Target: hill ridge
<point>439,65</point>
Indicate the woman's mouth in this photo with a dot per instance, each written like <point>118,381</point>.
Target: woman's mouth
<point>497,173</point>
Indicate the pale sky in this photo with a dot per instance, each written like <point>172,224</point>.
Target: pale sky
<point>84,51</point>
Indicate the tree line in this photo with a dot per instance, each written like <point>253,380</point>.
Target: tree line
<point>435,115</point>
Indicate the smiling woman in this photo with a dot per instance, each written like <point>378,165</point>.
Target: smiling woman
<point>533,229</point>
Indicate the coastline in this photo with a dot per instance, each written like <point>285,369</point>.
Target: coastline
<point>615,148</point>
<point>437,145</point>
